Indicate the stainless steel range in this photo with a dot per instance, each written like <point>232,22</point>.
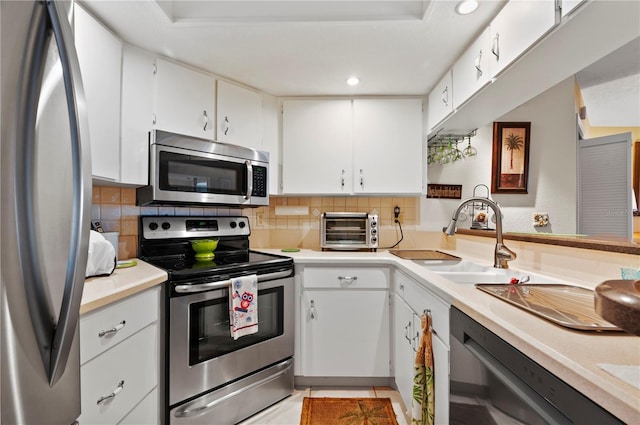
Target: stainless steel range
<point>210,376</point>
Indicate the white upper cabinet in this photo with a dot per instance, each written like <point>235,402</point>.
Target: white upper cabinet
<point>184,100</point>
<point>387,154</point>
<point>317,146</point>
<point>239,116</point>
<point>516,28</point>
<point>471,71</point>
<point>100,57</point>
<point>136,114</point>
<point>440,101</point>
<point>365,146</point>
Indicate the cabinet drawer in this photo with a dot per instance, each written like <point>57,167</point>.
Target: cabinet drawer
<point>346,277</point>
<point>134,363</point>
<point>123,319</point>
<point>146,412</point>
<point>420,299</point>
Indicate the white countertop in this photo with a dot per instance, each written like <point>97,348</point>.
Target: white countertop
<point>573,356</point>
<point>101,291</point>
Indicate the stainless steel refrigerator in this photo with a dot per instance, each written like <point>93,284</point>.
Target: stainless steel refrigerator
<point>45,180</point>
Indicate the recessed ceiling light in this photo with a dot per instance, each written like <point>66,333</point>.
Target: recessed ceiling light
<point>353,81</point>
<point>466,7</point>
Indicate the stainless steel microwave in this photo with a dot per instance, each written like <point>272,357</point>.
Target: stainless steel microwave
<point>349,231</point>
<point>191,171</point>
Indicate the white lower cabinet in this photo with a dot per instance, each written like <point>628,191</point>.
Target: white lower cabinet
<point>345,323</point>
<point>119,376</point>
<point>410,301</point>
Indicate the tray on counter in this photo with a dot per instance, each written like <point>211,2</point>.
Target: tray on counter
<point>565,305</point>
<point>423,254</point>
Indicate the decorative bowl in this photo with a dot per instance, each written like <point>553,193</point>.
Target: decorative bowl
<point>204,248</point>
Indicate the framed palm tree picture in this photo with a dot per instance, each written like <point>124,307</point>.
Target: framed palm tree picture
<point>510,166</point>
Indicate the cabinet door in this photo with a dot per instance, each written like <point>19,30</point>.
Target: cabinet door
<point>185,100</point>
<point>471,72</point>
<point>136,114</point>
<point>100,57</point>
<point>440,101</point>
<point>317,146</point>
<point>403,353</point>
<point>516,28</point>
<point>345,333</point>
<point>387,146</point>
<point>239,116</point>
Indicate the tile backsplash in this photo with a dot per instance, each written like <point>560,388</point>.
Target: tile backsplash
<point>116,210</point>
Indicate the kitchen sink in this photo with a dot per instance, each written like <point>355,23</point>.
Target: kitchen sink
<point>454,266</point>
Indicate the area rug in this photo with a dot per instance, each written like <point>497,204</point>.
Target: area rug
<point>347,411</point>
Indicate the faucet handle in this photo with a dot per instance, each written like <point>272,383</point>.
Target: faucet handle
<point>502,256</point>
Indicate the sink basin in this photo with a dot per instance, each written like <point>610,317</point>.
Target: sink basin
<point>454,266</point>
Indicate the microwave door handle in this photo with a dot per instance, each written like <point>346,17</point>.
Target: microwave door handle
<point>249,180</point>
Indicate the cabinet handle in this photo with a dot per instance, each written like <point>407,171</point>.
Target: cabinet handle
<point>206,120</point>
<point>361,178</point>
<point>113,330</point>
<point>478,63</point>
<point>406,332</point>
<point>227,126</point>
<point>312,310</point>
<point>114,393</point>
<point>402,287</point>
<point>416,342</point>
<point>347,279</point>
<point>495,47</point>
<point>342,183</point>
<point>445,95</point>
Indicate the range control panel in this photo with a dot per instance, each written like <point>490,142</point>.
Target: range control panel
<point>178,227</point>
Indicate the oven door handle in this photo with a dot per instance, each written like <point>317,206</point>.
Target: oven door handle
<point>185,412</point>
<point>221,284</point>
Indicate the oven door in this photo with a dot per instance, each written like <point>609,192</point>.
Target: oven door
<point>202,353</point>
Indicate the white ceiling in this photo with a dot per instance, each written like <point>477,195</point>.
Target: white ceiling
<point>305,47</point>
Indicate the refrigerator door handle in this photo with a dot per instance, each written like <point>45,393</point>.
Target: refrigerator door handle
<point>54,340</point>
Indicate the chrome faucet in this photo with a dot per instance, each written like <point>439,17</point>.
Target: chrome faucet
<point>502,254</point>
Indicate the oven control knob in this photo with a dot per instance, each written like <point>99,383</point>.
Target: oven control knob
<point>242,224</point>
<point>153,225</point>
<point>166,225</point>
<point>374,231</point>
<point>373,224</point>
<point>233,224</point>
<point>374,239</point>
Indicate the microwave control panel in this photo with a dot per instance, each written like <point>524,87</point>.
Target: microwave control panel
<point>259,181</point>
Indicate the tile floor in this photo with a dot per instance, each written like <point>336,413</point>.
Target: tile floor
<point>288,411</point>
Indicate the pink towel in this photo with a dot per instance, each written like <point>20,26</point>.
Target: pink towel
<point>243,306</point>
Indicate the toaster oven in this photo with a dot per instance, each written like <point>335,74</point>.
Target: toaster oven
<point>348,231</point>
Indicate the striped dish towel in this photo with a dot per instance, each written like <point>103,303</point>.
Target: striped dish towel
<point>423,401</point>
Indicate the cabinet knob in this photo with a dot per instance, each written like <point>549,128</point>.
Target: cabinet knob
<point>113,330</point>
<point>495,47</point>
<point>114,393</point>
<point>348,280</point>
<point>205,118</point>
<point>312,310</point>
<point>478,64</point>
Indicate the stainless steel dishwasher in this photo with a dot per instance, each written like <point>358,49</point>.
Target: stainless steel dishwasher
<point>493,383</point>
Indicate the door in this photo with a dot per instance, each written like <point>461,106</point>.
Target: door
<point>387,146</point>
<point>604,186</point>
<point>239,113</point>
<point>185,100</point>
<point>46,195</point>
<point>346,333</point>
<point>317,146</point>
<point>404,354</point>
